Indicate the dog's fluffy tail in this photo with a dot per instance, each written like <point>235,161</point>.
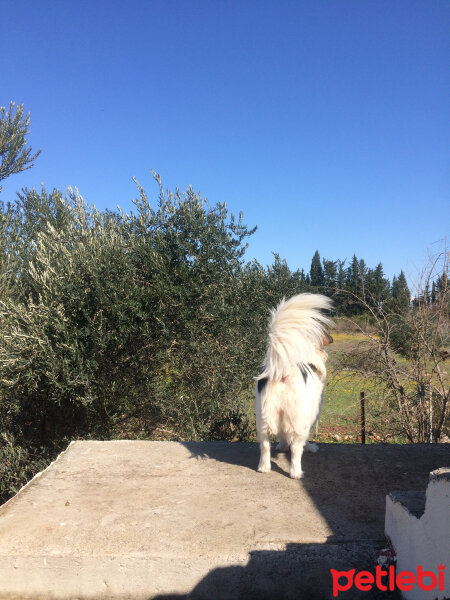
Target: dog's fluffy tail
<point>295,325</point>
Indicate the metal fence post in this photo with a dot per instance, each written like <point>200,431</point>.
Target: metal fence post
<point>363,417</point>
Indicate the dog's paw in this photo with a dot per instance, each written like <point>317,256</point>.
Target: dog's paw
<point>311,447</point>
<point>264,468</point>
<point>282,447</point>
<point>296,473</point>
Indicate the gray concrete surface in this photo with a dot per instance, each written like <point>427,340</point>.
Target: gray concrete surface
<point>136,519</point>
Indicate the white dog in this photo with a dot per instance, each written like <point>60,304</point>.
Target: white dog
<point>290,388</point>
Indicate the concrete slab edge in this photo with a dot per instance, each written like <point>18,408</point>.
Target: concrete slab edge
<point>35,478</point>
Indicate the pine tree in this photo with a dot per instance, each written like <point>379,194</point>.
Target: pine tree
<point>340,274</point>
<point>400,293</point>
<point>330,273</point>
<point>433,292</point>
<point>353,280</point>
<point>362,271</point>
<point>340,299</point>
<point>316,273</point>
<point>381,284</point>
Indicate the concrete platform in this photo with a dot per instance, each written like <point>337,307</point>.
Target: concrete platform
<point>132,519</point>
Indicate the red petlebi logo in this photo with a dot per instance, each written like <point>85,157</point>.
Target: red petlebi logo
<point>387,579</point>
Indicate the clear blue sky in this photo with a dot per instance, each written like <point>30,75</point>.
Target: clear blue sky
<point>325,121</point>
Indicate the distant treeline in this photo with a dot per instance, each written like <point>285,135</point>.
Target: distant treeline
<point>346,283</point>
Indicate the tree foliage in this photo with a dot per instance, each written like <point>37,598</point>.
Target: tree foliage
<point>109,315</point>
<point>14,155</point>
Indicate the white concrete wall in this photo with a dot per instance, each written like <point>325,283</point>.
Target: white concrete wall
<point>423,541</point>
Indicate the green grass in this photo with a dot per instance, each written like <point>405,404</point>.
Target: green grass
<point>340,410</point>
<point>340,419</point>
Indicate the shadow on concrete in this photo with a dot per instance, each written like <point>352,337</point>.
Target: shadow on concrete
<point>301,572</point>
<point>241,454</point>
<point>348,483</point>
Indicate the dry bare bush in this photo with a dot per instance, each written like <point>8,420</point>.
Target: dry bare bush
<point>405,351</point>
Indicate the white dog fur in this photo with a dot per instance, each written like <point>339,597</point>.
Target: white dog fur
<point>290,388</point>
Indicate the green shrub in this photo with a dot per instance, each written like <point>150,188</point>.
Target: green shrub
<point>18,463</point>
<point>106,318</point>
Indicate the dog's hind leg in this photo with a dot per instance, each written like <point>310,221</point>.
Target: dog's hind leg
<point>261,427</point>
<point>264,461</point>
<point>296,459</point>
